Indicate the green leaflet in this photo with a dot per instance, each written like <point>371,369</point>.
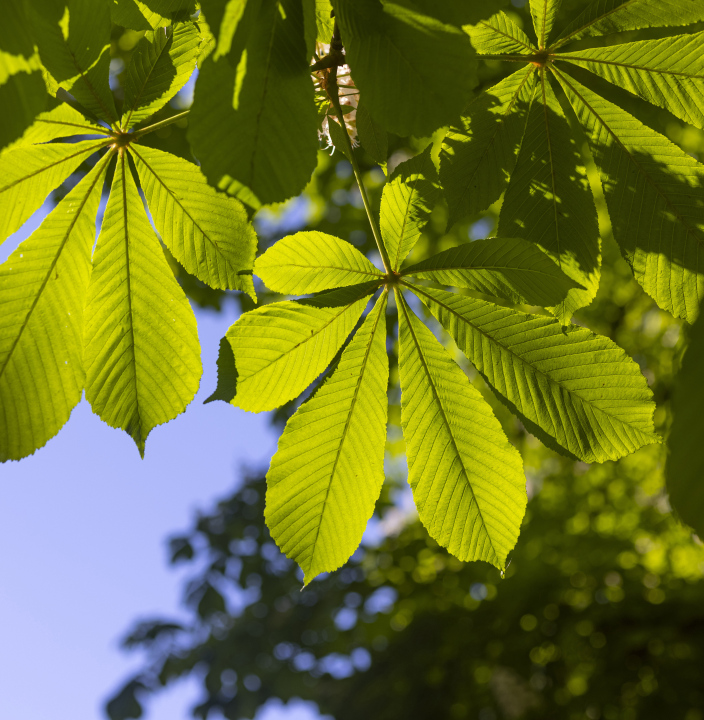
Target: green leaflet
<point>324,20</point>
<point>685,462</point>
<point>549,200</point>
<point>602,17</point>
<point>372,137</point>
<point>399,59</point>
<point>231,22</point>
<point>281,348</point>
<point>407,201</point>
<point>22,90</point>
<point>544,13</point>
<point>207,232</point>
<point>505,267</point>
<point>29,174</point>
<point>74,44</point>
<point>328,471</point>
<point>59,122</point>
<point>42,292</point>
<point>150,14</point>
<point>160,66</point>
<point>254,122</point>
<point>142,356</point>
<point>499,34</point>
<point>667,72</point>
<point>566,383</point>
<point>309,262</point>
<point>467,479</point>
<point>478,156</point>
<point>653,191</point>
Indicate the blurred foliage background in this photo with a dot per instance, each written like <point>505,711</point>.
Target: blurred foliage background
<point>601,610</point>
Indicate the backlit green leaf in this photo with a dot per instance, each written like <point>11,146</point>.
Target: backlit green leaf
<point>499,34</point>
<point>328,471</point>
<point>467,479</point>
<point>372,137</point>
<point>549,200</point>
<point>544,14</point>
<point>309,262</point>
<point>566,383</point>
<point>142,356</point>
<point>407,201</point>
<point>207,232</point>
<point>150,14</point>
<point>506,267</point>
<point>161,65</point>
<point>74,44</point>
<point>399,60</point>
<point>281,348</point>
<point>479,155</point>
<point>653,190</point>
<point>59,122</point>
<point>667,72</point>
<point>29,174</point>
<point>254,123</point>
<point>42,292</point>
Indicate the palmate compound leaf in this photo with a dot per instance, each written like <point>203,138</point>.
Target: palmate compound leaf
<point>467,479</point>
<point>567,384</point>
<point>668,72</point>
<point>685,462</point>
<point>309,262</point>
<point>509,268</point>
<point>207,231</point>
<point>42,292</point>
<point>406,203</point>
<point>398,56</point>
<point>478,156</point>
<point>254,121</point>
<point>142,356</point>
<point>328,471</point>
<point>281,348</point>
<point>29,174</point>
<point>161,65</point>
<point>653,192</point>
<point>73,37</point>
<point>549,200</point>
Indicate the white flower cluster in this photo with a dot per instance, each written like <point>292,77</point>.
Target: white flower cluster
<point>349,96</point>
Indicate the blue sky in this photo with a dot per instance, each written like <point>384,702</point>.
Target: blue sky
<point>83,524</point>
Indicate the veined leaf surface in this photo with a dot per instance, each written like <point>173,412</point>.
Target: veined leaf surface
<point>499,34</point>
<point>328,471</point>
<point>42,292</point>
<point>406,203</point>
<point>653,191</point>
<point>309,262</point>
<point>478,157</point>
<point>59,122</point>
<point>544,14</point>
<point>565,383</point>
<point>29,174</point>
<point>142,356</point>
<point>207,231</point>
<point>467,479</point>
<point>549,200</point>
<point>281,348</point>
<point>506,267</point>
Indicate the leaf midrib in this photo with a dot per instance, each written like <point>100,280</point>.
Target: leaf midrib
<point>55,260</point>
<point>403,305</point>
<point>381,306</point>
<point>507,35</point>
<point>416,289</point>
<point>644,68</point>
<point>561,41</point>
